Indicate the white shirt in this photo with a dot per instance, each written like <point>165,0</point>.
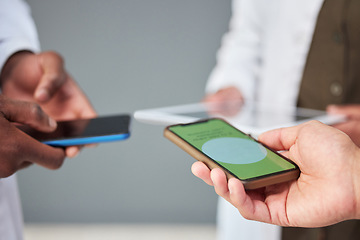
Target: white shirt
<point>17,32</point>
<point>263,55</point>
<point>17,29</point>
<point>266,49</point>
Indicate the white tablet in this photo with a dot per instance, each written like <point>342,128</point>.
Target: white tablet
<point>249,117</point>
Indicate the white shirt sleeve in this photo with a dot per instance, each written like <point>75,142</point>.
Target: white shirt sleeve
<point>17,29</point>
<point>238,59</point>
<point>17,32</point>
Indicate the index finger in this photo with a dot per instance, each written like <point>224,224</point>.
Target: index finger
<point>39,153</point>
<point>20,148</point>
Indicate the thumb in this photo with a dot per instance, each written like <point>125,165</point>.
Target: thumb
<point>53,76</point>
<point>27,113</point>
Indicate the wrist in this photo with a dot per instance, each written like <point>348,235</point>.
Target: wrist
<point>11,63</point>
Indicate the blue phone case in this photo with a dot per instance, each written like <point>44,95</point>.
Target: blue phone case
<point>87,140</point>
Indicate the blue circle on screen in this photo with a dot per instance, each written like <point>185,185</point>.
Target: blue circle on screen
<point>234,150</point>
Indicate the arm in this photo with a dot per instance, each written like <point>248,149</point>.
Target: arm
<point>239,55</point>
<point>37,77</point>
<point>18,31</point>
<point>326,192</point>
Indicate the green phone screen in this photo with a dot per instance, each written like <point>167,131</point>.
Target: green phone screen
<point>232,149</point>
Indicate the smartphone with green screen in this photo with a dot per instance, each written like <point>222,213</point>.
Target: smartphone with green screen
<point>219,144</point>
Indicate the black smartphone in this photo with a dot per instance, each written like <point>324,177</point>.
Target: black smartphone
<point>84,131</point>
<point>219,144</point>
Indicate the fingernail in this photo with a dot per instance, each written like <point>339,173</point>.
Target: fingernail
<point>52,123</point>
<point>42,95</point>
<point>72,152</point>
<point>230,186</point>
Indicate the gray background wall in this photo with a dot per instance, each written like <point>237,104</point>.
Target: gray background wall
<point>128,55</point>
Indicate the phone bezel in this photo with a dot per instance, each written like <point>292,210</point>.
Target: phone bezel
<point>65,141</point>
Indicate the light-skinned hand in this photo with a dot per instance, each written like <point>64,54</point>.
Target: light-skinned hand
<point>326,192</point>
<point>227,101</point>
